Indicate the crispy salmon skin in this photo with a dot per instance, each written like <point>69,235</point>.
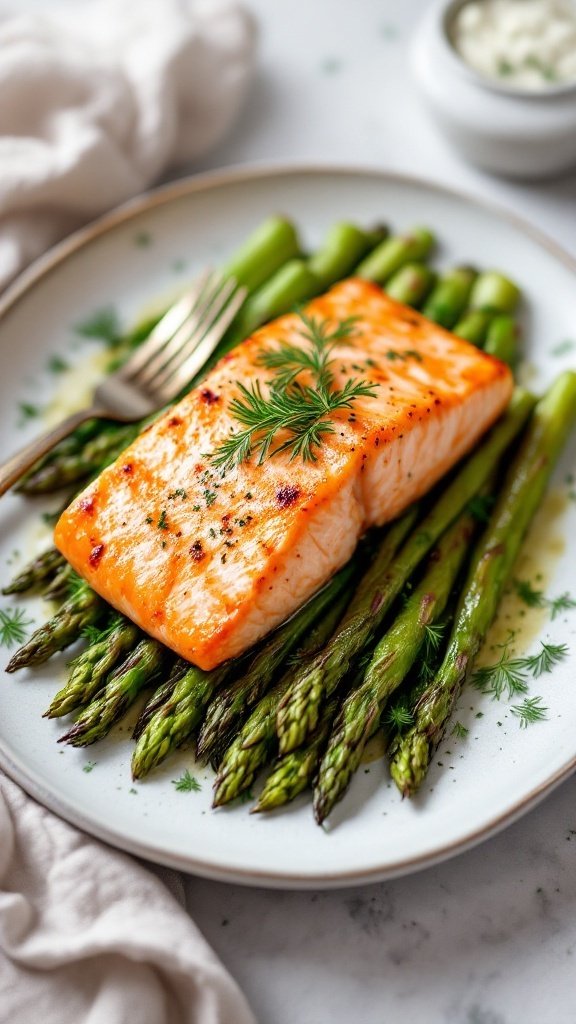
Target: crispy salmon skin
<point>209,563</point>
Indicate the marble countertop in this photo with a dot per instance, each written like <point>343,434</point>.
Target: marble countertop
<point>490,937</point>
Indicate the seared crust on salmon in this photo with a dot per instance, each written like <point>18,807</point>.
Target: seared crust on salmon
<point>209,563</point>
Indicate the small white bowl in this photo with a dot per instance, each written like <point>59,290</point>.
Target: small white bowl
<point>497,127</point>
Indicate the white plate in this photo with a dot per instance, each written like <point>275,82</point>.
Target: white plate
<point>486,781</point>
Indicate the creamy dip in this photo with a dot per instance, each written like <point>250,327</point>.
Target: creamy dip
<point>527,44</point>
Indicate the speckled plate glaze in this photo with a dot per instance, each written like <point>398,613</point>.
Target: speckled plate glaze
<point>477,785</point>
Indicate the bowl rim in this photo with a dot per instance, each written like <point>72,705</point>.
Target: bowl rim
<point>445,12</point>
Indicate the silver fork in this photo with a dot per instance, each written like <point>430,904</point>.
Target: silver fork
<point>154,375</point>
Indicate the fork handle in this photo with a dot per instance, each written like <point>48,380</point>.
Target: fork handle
<point>23,460</point>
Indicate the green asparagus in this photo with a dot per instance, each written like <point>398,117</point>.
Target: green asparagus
<point>393,253</point>
<point>391,660</point>
<point>84,608</point>
<point>257,741</point>
<point>233,702</point>
<point>299,713</point>
<point>448,300</point>
<point>493,291</point>
<point>39,572</point>
<point>502,339</point>
<point>492,563</point>
<point>473,326</point>
<point>411,284</point>
<point>90,669</point>
<point>139,670</point>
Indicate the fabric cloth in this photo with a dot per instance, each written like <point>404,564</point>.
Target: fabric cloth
<point>100,98</point>
<point>97,100</point>
<point>90,936</point>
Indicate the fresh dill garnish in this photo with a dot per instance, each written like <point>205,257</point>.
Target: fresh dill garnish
<point>103,325</point>
<point>506,676</point>
<point>561,604</point>
<point>96,634</point>
<point>76,585</point>
<point>89,766</point>
<point>510,675</point>
<point>57,364</point>
<point>302,410</point>
<point>209,497</point>
<point>480,506</point>
<point>530,710</point>
<point>531,597</point>
<point>433,636</point>
<point>548,656</point>
<point>162,523</point>
<point>537,599</point>
<point>28,411</point>
<point>186,783</point>
<point>178,493</point>
<point>459,731</point>
<point>400,717</point>
<point>13,626</point>
<point>408,353</point>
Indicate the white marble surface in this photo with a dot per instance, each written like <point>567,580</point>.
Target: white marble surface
<point>490,937</point>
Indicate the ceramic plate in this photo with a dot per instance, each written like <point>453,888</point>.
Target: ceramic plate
<point>477,784</point>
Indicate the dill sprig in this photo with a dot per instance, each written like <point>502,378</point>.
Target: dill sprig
<point>96,634</point>
<point>548,656</point>
<point>13,626</point>
<point>399,717</point>
<point>529,711</point>
<point>304,411</point>
<point>506,676</point>
<point>433,637</point>
<point>510,676</point>
<point>537,599</point>
<point>186,783</point>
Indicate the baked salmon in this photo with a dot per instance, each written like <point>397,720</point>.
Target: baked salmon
<point>208,562</point>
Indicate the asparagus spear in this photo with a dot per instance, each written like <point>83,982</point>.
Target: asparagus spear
<point>176,718</point>
<point>411,284</point>
<point>473,326</point>
<point>233,702</point>
<point>90,669</point>
<point>256,742</point>
<point>299,713</point>
<point>391,660</point>
<point>139,669</point>
<point>502,339</point>
<point>39,571</point>
<point>492,562</point>
<point>84,608</point>
<point>59,586</point>
<point>344,247</point>
<point>160,696</point>
<point>393,253</point>
<point>493,291</point>
<point>295,772</point>
<point>263,253</point>
<point>449,298</point>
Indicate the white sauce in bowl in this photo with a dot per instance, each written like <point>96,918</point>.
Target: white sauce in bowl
<point>525,44</point>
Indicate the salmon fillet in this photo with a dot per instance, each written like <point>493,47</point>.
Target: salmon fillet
<point>207,563</point>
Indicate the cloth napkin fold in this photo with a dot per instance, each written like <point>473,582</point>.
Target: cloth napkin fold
<point>99,98</point>
<point>90,936</point>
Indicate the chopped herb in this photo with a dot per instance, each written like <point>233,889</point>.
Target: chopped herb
<point>506,676</point>
<point>89,766</point>
<point>96,634</point>
<point>433,636</point>
<point>408,353</point>
<point>143,239</point>
<point>212,532</point>
<point>548,656</point>
<point>537,599</point>
<point>178,493</point>
<point>56,364</point>
<point>399,717</point>
<point>481,507</point>
<point>302,411</point>
<point>187,783</point>
<point>504,68</point>
<point>248,496</point>
<point>162,523</point>
<point>149,519</point>
<point>209,497</point>
<point>13,626</point>
<point>531,710</point>
<point>196,508</point>
<point>564,347</point>
<point>460,731</point>
<point>28,411</point>
<point>103,325</point>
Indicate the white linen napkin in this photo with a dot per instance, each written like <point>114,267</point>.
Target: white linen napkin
<point>99,98</point>
<point>90,936</point>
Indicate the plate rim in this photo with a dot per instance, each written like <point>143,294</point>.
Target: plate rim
<point>59,254</point>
